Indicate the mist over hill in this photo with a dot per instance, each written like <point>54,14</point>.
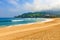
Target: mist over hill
<point>41,14</point>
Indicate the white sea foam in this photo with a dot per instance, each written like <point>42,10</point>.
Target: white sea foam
<point>46,20</point>
<point>17,20</point>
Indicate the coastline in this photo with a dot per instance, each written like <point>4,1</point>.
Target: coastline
<point>46,20</point>
<point>39,30</point>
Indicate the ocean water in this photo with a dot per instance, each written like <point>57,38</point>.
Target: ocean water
<point>15,21</point>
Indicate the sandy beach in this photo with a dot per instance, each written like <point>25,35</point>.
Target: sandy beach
<point>38,31</point>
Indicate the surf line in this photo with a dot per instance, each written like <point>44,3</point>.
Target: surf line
<point>47,20</point>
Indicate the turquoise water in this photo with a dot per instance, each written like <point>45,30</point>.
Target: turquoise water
<point>15,21</point>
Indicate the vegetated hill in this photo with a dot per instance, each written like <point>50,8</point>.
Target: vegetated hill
<point>42,14</point>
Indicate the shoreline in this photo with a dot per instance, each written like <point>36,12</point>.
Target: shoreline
<point>47,20</point>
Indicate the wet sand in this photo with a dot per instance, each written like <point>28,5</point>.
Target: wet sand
<point>38,31</point>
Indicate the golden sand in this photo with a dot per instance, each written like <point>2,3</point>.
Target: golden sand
<point>38,31</point>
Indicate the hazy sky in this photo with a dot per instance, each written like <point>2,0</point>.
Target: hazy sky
<point>10,8</point>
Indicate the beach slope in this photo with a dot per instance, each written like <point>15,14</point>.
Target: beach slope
<point>37,31</point>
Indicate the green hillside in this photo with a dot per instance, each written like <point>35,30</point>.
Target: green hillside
<point>37,15</point>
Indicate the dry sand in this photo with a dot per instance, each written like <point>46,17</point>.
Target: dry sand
<point>38,31</point>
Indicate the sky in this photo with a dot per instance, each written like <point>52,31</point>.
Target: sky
<point>11,8</point>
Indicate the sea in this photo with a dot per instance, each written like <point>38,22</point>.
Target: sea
<point>16,21</point>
